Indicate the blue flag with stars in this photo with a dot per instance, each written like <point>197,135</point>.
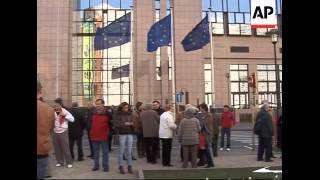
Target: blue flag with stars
<point>115,34</point>
<point>198,37</point>
<point>159,34</point>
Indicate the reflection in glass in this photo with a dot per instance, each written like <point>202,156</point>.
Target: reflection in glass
<point>234,75</point>
<point>234,87</point>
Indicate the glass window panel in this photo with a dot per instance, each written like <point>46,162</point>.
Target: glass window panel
<point>157,4</point>
<point>113,100</point>
<point>216,5</point>
<point>125,88</point>
<point>83,4</point>
<point>125,98</point>
<point>280,76</point>
<point>234,75</point>
<point>262,67</point>
<point>95,3</point>
<point>244,87</point>
<point>234,87</point>
<point>207,75</point>
<point>207,66</point>
<point>262,76</point>
<point>114,88</point>
<point>245,29</point>
<point>170,73</point>
<point>219,17</point>
<point>243,67</point>
<point>236,100</point>
<point>231,18</point>
<point>207,87</point>
<point>120,14</point>
<point>125,4</point>
<point>239,18</point>
<point>271,67</point>
<point>77,16</point>
<point>158,73</point>
<point>271,75</point>
<point>243,75</point>
<point>217,28</point>
<point>280,67</point>
<point>108,64</point>
<point>262,87</point>
<point>272,86</point>
<point>111,15</point>
<point>233,6</point>
<point>126,50</point>
<point>234,67</point>
<point>244,5</point>
<point>114,52</point>
<point>88,15</point>
<point>205,5</point>
<point>114,3</point>
<point>247,18</point>
<point>212,17</point>
<point>242,99</point>
<point>234,29</point>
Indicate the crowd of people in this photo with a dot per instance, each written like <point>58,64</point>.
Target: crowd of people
<point>195,128</point>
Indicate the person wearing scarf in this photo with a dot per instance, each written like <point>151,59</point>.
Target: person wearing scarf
<point>60,136</point>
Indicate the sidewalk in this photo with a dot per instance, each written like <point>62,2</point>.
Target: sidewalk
<point>82,170</point>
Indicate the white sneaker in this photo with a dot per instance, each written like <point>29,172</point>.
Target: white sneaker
<point>221,149</point>
<point>228,149</point>
<point>58,165</point>
<point>69,165</point>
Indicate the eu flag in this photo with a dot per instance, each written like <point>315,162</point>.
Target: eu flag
<point>115,34</point>
<point>159,34</point>
<point>198,37</point>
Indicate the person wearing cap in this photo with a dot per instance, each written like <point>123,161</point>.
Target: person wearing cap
<point>188,136</point>
<point>45,118</point>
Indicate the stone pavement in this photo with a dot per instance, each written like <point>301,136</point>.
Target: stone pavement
<point>237,157</point>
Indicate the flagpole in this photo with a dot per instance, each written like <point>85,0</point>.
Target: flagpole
<point>173,64</point>
<point>57,66</point>
<point>131,61</point>
<point>212,65</point>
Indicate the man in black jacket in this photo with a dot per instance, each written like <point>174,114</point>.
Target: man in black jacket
<point>265,134</point>
<point>75,130</point>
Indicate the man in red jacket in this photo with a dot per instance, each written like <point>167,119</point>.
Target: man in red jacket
<point>227,122</point>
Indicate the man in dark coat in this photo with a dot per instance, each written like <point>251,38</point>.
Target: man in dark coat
<point>75,130</point>
<point>265,134</point>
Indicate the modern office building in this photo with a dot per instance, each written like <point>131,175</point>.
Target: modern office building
<point>69,67</point>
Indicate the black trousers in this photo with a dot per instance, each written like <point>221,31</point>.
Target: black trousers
<point>110,140</point>
<point>166,151</point>
<point>140,145</point>
<point>90,143</point>
<point>265,145</point>
<point>206,155</point>
<point>151,144</point>
<point>215,144</point>
<point>72,140</point>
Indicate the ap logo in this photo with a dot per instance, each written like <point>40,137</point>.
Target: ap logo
<point>263,14</point>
